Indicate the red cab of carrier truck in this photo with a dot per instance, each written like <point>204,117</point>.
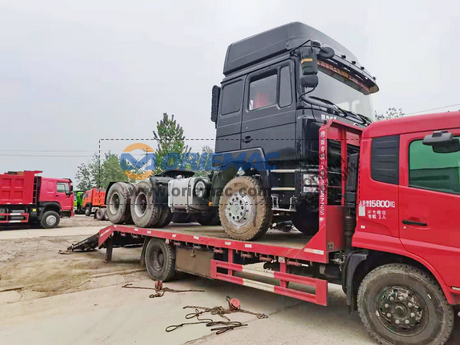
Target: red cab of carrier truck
<point>26,197</point>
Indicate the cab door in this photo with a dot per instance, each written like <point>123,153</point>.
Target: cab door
<point>269,115</point>
<point>430,204</point>
<point>64,196</point>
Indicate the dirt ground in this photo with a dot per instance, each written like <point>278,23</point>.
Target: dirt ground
<point>52,298</point>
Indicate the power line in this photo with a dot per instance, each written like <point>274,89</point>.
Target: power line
<point>422,111</point>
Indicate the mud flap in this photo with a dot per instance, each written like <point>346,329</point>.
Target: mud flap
<point>146,241</point>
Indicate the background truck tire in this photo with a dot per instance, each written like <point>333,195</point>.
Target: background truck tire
<point>160,260</point>
<point>400,304</point>
<point>100,214</point>
<point>166,217</point>
<point>88,211</point>
<point>50,219</point>
<point>118,202</point>
<point>209,218</point>
<point>145,212</point>
<point>245,210</point>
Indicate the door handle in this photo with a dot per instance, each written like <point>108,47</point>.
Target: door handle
<point>247,139</point>
<point>410,222</point>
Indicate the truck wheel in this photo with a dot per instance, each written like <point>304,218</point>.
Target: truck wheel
<point>160,260</point>
<point>144,210</point>
<point>118,200</point>
<point>50,219</point>
<point>88,211</point>
<point>166,217</point>
<point>100,214</point>
<point>208,219</point>
<point>400,304</point>
<point>245,210</point>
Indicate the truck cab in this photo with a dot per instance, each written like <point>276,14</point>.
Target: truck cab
<point>409,193</point>
<point>279,88</point>
<point>57,192</point>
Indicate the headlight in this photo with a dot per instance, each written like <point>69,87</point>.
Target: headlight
<point>200,189</point>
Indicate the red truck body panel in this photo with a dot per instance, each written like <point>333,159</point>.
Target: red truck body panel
<point>18,188</point>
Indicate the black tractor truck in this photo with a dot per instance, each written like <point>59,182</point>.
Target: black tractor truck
<point>279,87</point>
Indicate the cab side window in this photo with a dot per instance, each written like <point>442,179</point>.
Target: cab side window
<point>62,187</point>
<point>435,171</point>
<point>232,96</point>
<point>273,87</point>
<point>262,92</point>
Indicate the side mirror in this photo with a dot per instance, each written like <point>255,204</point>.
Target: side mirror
<point>215,102</point>
<point>310,81</point>
<point>442,142</point>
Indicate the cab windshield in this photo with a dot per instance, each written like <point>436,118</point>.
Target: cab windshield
<point>343,95</point>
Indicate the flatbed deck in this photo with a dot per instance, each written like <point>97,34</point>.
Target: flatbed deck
<point>293,239</point>
<point>292,245</point>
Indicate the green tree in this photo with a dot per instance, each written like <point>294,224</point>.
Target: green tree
<point>170,139</point>
<point>100,172</point>
<point>391,113</point>
<point>204,150</point>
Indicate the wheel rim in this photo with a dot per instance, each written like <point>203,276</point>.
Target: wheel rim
<point>140,204</point>
<point>158,259</point>
<point>239,209</point>
<point>114,203</point>
<point>51,220</point>
<point>402,311</point>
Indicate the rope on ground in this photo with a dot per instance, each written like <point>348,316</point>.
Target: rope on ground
<point>221,311</point>
<point>159,289</point>
<point>233,307</point>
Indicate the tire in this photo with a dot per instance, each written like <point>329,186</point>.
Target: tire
<point>181,218</point>
<point>417,299</point>
<point>50,219</point>
<point>118,203</point>
<point>245,194</point>
<point>208,219</point>
<point>145,212</point>
<point>88,211</point>
<point>100,214</point>
<point>166,217</point>
<point>160,260</point>
<point>306,220</point>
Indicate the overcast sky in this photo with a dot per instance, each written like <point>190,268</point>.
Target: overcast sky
<point>75,72</point>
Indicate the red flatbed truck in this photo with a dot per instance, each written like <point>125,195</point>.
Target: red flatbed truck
<point>393,243</point>
<point>26,197</point>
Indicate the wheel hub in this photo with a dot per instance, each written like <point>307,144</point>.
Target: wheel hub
<point>239,209</point>
<point>114,203</point>
<point>401,310</point>
<point>140,206</point>
<point>51,220</point>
